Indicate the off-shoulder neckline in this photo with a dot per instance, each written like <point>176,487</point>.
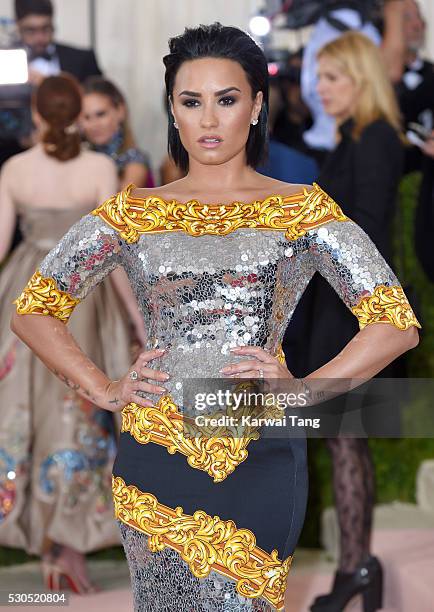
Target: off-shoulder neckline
<point>296,196</point>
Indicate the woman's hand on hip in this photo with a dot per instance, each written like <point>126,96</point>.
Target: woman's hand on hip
<point>121,392</point>
<point>261,365</point>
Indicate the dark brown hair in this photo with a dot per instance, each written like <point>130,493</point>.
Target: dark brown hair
<point>103,87</point>
<point>58,101</point>
<point>23,8</point>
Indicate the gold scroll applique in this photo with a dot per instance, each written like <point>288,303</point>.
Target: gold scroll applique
<point>205,543</point>
<point>280,355</point>
<point>296,214</point>
<point>216,450</point>
<point>41,296</point>
<point>386,305</point>
<point>217,453</point>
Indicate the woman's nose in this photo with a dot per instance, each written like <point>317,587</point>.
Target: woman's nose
<point>209,117</point>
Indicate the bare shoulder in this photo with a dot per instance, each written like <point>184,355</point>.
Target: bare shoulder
<point>15,163</point>
<point>97,160</point>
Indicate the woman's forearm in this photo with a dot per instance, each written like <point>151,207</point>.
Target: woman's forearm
<point>52,342</point>
<point>369,352</point>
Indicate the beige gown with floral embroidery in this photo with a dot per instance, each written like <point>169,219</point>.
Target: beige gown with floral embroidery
<point>56,449</point>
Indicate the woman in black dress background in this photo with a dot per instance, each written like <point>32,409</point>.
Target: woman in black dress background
<point>362,173</point>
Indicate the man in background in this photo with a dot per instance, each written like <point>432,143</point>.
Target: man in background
<point>416,88</point>
<point>46,57</point>
<point>34,20</point>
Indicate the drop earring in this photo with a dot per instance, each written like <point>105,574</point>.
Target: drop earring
<point>254,122</point>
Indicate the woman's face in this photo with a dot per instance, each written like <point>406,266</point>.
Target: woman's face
<point>100,118</point>
<point>213,107</point>
<point>336,89</point>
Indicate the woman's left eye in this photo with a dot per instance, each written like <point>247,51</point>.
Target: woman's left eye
<point>227,101</point>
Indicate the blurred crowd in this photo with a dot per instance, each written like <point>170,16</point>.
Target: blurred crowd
<point>352,111</point>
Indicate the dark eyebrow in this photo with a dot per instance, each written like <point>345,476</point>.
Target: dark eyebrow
<point>222,92</point>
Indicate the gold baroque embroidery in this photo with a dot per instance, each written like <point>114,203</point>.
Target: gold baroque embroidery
<point>205,543</point>
<point>41,296</point>
<point>386,305</point>
<point>296,214</point>
<point>218,453</point>
<point>280,355</point>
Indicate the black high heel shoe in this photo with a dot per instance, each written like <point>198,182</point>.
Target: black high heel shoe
<point>366,580</point>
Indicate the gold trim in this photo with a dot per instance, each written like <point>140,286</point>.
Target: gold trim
<point>214,450</point>
<point>296,214</point>
<point>217,454</point>
<point>386,305</point>
<point>280,355</point>
<point>205,543</point>
<point>41,296</point>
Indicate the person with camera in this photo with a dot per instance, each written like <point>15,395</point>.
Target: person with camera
<point>335,17</point>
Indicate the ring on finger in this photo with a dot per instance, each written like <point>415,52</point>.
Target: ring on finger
<point>261,373</point>
<point>134,375</point>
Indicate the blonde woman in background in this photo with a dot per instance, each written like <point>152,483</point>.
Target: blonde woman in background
<point>363,173</point>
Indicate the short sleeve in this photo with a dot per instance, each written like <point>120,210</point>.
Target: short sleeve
<point>348,259</point>
<point>87,253</point>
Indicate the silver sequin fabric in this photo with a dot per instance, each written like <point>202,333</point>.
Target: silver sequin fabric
<point>163,582</point>
<point>201,296</point>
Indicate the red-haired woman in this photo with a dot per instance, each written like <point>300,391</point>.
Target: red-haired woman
<point>56,448</point>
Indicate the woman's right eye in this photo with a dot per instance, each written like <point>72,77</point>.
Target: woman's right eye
<point>191,103</point>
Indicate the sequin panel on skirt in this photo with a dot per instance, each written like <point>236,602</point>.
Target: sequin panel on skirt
<point>163,582</point>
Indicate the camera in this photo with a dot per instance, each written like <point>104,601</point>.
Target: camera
<point>302,13</point>
<point>15,90</point>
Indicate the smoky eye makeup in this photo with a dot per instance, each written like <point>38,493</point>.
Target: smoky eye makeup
<point>223,101</point>
<point>227,100</point>
<point>190,102</point>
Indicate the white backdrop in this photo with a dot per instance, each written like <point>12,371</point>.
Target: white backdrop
<point>132,38</point>
<point>131,43</point>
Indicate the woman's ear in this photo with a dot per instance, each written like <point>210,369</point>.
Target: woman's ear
<point>257,105</point>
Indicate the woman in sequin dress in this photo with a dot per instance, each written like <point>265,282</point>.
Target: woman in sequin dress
<point>56,447</point>
<point>106,127</point>
<point>218,261</point>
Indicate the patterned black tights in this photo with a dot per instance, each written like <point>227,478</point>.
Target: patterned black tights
<point>354,491</point>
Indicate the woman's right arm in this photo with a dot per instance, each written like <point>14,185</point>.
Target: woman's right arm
<point>85,255</point>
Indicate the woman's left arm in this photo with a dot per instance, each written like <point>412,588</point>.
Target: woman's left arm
<point>348,259</point>
<point>369,352</point>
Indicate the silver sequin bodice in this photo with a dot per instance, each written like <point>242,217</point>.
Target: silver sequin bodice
<point>200,296</point>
